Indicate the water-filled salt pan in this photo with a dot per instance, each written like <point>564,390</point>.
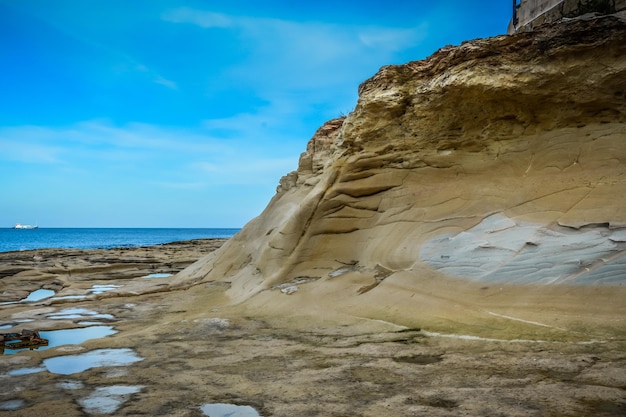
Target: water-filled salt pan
<point>38,295</point>
<point>228,410</point>
<point>158,275</point>
<point>26,371</point>
<point>11,405</point>
<point>76,336</point>
<point>79,313</point>
<point>68,337</point>
<point>99,289</point>
<point>107,400</point>
<point>71,364</point>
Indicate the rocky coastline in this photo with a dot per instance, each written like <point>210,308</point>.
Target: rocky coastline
<point>348,295</point>
<point>194,347</point>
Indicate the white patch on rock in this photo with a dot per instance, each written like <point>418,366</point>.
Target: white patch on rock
<point>289,290</point>
<point>499,249</point>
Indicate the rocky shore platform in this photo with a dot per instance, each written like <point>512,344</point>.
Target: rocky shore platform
<point>178,349</point>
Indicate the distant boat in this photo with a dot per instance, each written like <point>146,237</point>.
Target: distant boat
<point>25,226</point>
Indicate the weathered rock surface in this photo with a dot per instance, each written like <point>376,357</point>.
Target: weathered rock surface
<point>488,180</point>
<point>168,353</point>
<point>454,247</point>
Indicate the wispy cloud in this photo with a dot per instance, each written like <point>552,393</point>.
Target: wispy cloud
<point>391,39</point>
<point>185,158</point>
<point>182,185</point>
<point>205,19</point>
<point>244,171</point>
<point>167,83</point>
<point>310,58</point>
<point>152,74</point>
<point>15,150</point>
<point>116,57</point>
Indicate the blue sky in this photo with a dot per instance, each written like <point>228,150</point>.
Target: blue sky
<point>118,113</point>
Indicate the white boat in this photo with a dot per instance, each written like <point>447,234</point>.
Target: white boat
<point>25,226</point>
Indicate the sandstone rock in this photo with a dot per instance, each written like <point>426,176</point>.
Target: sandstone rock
<point>513,146</point>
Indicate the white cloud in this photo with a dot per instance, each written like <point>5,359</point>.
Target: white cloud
<point>156,77</point>
<point>97,140</point>
<point>167,83</point>
<point>16,150</point>
<point>182,185</point>
<point>285,55</point>
<point>391,39</point>
<point>200,18</point>
<point>244,170</point>
<point>175,158</point>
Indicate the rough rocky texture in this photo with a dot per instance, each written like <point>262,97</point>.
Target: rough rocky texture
<point>526,129</point>
<point>453,247</point>
<point>193,347</point>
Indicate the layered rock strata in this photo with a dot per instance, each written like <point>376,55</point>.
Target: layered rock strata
<point>476,190</point>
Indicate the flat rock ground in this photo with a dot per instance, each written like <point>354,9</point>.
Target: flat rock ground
<point>199,349</point>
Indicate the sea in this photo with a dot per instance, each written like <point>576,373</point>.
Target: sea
<point>101,238</point>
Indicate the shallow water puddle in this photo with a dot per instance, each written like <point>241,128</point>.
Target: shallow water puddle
<point>26,371</point>
<point>79,313</point>
<point>99,289</point>
<point>228,410</point>
<point>70,297</point>
<point>36,295</point>
<point>71,364</point>
<point>66,337</point>
<point>161,275</point>
<point>95,290</point>
<point>76,336</point>
<point>11,405</point>
<point>107,400</point>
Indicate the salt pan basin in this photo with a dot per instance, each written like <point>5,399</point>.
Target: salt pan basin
<point>76,336</point>
<point>79,313</point>
<point>158,275</point>
<point>72,364</point>
<point>68,337</point>
<point>228,410</point>
<point>38,295</point>
<point>107,400</point>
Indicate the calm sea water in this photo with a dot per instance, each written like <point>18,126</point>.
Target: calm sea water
<point>14,240</point>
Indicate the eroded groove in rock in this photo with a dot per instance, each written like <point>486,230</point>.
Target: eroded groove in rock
<point>499,164</point>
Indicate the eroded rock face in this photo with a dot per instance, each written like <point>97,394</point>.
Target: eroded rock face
<point>526,130</point>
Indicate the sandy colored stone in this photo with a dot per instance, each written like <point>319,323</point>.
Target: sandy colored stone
<point>528,128</point>
<point>326,305</point>
<point>297,358</point>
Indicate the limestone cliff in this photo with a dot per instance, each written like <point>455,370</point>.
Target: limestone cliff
<point>483,186</point>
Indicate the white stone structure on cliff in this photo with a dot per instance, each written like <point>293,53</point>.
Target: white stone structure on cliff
<point>482,190</point>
